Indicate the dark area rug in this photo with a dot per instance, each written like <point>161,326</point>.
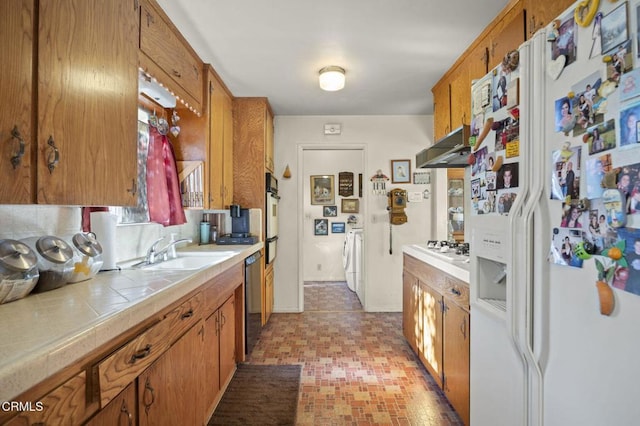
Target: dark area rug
<point>260,395</point>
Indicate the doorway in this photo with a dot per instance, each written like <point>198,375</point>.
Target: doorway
<point>323,226</point>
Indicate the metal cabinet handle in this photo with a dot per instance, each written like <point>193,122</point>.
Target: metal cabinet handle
<point>224,319</point>
<point>187,314</point>
<point>134,187</point>
<point>124,412</point>
<point>455,291</point>
<point>15,159</point>
<point>176,73</point>
<point>148,390</point>
<point>463,328</point>
<point>54,155</point>
<point>142,353</point>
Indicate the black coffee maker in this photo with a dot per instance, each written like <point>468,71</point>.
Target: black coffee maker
<point>240,228</point>
<point>240,224</point>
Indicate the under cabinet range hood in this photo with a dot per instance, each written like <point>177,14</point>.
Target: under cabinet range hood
<point>448,152</point>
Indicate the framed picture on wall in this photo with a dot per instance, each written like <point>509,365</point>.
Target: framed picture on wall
<point>330,211</point>
<point>321,227</point>
<point>337,227</point>
<point>350,205</point>
<point>322,191</point>
<point>400,171</point>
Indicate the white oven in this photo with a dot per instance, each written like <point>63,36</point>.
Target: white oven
<point>271,210</point>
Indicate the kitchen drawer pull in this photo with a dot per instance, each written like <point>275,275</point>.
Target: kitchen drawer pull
<point>187,314</point>
<point>176,73</point>
<point>148,390</point>
<point>15,160</point>
<point>124,410</point>
<point>52,163</point>
<point>142,353</point>
<point>456,291</point>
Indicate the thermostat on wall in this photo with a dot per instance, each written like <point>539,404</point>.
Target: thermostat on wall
<point>332,129</point>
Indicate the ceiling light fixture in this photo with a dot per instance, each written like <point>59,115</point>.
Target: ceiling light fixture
<point>332,78</point>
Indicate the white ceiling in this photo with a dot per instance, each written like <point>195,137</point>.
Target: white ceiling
<point>393,51</point>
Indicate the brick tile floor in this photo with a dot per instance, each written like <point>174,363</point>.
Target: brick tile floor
<point>357,366</point>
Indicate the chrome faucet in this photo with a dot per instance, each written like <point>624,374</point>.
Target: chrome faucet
<point>167,252</point>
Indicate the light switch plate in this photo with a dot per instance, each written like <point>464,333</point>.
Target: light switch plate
<point>415,196</point>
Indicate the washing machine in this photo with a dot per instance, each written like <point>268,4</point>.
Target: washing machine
<point>352,259</point>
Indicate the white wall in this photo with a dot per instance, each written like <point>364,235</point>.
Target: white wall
<point>382,138</point>
<point>22,221</point>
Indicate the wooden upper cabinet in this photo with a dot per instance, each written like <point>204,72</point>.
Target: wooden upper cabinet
<point>541,12</point>
<point>441,109</point>
<point>506,35</point>
<point>87,101</point>
<point>250,144</point>
<point>268,156</point>
<point>460,94</point>
<point>220,111</point>
<point>17,20</point>
<point>168,57</point>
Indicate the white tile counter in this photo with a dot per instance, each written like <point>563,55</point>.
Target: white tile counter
<point>454,265</point>
<point>44,333</point>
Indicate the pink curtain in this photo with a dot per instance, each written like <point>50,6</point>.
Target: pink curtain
<point>163,188</point>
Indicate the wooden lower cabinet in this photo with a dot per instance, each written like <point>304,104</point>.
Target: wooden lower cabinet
<point>436,326</point>
<point>121,411</point>
<point>456,358</point>
<point>268,294</point>
<point>169,390</point>
<point>220,355</point>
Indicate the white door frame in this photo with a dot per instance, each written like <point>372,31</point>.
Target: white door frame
<point>300,214</point>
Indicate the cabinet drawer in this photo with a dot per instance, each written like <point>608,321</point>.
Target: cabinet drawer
<point>164,45</point>
<point>64,405</point>
<point>124,365</point>
<point>457,291</point>
<point>425,272</point>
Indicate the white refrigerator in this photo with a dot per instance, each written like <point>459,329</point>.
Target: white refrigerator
<point>542,353</point>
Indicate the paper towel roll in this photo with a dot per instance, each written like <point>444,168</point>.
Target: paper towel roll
<point>103,224</point>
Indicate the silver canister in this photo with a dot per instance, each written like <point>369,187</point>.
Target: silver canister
<point>55,262</point>
<point>18,270</point>
<point>87,257</point>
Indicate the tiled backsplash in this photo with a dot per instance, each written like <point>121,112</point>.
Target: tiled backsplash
<point>18,222</point>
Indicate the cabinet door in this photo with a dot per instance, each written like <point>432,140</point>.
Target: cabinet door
<point>269,161</point>
<point>431,319</point>
<point>121,411</point>
<point>441,110</point>
<point>87,102</point>
<point>16,97</point>
<point>169,391</point>
<point>411,327</point>
<point>508,35</point>
<point>227,151</point>
<point>460,94</point>
<point>162,43</point>
<point>227,340</point>
<point>542,12</point>
<point>216,131</point>
<point>456,361</point>
<point>268,293</point>
<point>211,361</point>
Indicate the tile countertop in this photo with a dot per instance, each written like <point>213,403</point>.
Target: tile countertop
<point>452,264</point>
<point>46,332</point>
